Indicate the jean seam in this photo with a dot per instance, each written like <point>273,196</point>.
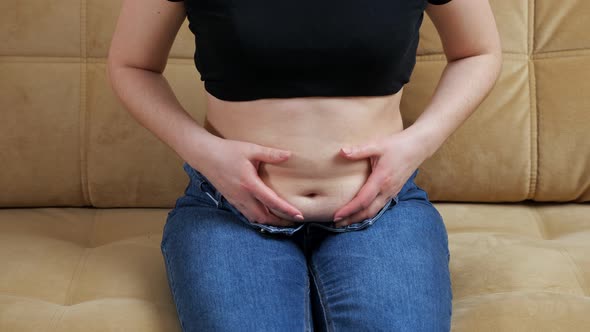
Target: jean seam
<point>173,288</point>
<point>443,229</point>
<point>307,322</point>
<point>321,294</point>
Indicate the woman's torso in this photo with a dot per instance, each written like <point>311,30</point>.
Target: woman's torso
<point>315,179</point>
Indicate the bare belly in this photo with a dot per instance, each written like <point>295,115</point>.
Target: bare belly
<point>315,179</point>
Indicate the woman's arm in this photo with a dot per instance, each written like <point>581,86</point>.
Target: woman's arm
<point>471,43</point>
<point>137,57</point>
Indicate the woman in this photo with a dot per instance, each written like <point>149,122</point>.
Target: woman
<point>315,238</point>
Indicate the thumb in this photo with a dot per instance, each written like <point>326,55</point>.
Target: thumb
<point>360,151</point>
<point>271,155</point>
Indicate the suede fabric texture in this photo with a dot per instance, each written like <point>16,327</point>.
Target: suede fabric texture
<point>86,189</point>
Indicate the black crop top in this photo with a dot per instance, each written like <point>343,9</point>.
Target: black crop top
<point>247,50</point>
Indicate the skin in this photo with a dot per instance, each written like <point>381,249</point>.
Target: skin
<point>318,179</point>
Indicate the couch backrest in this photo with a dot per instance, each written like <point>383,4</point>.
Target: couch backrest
<point>65,140</point>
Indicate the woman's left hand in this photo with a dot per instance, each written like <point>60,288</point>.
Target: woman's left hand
<point>393,160</point>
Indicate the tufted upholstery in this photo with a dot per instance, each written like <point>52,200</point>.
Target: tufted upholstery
<point>86,189</point>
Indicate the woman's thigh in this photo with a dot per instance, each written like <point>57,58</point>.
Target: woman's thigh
<point>391,276</point>
<point>226,276</point>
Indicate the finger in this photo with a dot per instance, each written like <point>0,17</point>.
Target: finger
<point>361,215</point>
<point>361,151</point>
<point>279,221</point>
<point>274,220</point>
<point>270,155</point>
<point>363,198</point>
<point>269,198</point>
<point>251,209</point>
<point>268,218</point>
<point>261,217</point>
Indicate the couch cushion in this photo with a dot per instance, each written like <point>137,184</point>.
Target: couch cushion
<point>77,269</point>
<point>514,267</point>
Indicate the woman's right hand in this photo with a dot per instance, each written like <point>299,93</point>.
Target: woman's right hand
<point>233,170</point>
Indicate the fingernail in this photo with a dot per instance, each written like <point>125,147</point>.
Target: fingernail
<point>298,216</point>
<point>346,150</point>
<point>337,219</point>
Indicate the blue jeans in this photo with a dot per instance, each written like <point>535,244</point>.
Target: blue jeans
<point>389,272</point>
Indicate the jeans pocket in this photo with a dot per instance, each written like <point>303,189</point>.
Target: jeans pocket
<point>201,189</point>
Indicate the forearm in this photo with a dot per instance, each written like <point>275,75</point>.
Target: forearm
<point>150,100</point>
<point>463,85</point>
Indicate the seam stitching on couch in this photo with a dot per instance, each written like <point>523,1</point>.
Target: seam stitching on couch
<point>75,276</point>
<point>534,116</point>
<point>577,273</point>
<point>83,114</point>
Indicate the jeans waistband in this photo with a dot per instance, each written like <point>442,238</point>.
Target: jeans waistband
<point>219,200</point>
<point>198,175</point>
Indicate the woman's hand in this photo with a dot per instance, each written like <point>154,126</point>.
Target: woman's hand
<point>393,160</point>
<point>233,170</point>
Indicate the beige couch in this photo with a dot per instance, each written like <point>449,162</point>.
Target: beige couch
<point>85,189</point>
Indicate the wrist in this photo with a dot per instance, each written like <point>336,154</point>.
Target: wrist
<point>198,145</point>
<point>421,137</point>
